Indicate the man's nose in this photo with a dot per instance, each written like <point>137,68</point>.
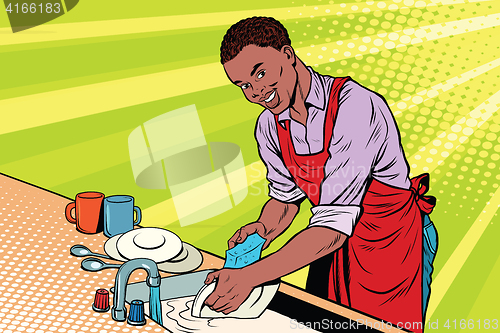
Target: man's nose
<point>259,90</point>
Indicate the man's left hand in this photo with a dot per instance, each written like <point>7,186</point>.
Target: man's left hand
<point>232,289</point>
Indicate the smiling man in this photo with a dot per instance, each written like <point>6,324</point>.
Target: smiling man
<point>336,143</point>
<point>265,79</point>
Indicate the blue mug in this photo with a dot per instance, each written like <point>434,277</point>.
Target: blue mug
<point>119,214</point>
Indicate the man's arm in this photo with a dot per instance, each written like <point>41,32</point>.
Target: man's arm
<point>307,246</point>
<point>274,219</point>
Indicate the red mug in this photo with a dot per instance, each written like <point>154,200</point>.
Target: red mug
<point>88,206</point>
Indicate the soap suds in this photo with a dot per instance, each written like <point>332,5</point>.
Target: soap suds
<point>177,318</point>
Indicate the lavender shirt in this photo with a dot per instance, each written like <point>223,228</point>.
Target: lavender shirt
<point>365,144</point>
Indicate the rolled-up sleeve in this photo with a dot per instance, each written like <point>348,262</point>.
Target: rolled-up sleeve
<point>281,184</point>
<point>358,138</point>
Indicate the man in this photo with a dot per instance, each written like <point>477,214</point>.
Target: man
<point>336,143</point>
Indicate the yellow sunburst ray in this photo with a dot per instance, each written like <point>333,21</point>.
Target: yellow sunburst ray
<point>429,157</point>
<point>343,49</point>
<point>45,108</point>
<point>50,107</point>
<point>56,161</point>
<point>163,213</point>
<point>455,262</point>
<point>178,22</point>
<point>87,149</point>
<point>425,94</point>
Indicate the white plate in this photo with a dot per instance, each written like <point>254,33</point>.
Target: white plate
<point>157,244</point>
<point>255,304</point>
<point>193,258</point>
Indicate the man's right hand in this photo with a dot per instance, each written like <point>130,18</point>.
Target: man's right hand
<point>251,228</point>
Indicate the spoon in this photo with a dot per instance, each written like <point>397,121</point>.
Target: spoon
<point>82,251</point>
<point>95,265</point>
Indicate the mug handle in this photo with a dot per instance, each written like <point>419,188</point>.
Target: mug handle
<point>138,211</point>
<point>69,207</point>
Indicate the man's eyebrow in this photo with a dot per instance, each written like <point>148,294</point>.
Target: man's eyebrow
<point>255,68</point>
<point>237,82</point>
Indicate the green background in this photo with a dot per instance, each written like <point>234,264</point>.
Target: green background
<point>464,182</point>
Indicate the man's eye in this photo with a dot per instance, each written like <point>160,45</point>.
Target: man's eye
<point>261,74</point>
<point>245,86</point>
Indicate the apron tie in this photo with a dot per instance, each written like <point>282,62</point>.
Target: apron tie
<point>420,186</point>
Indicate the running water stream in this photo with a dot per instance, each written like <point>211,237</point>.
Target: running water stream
<point>155,305</point>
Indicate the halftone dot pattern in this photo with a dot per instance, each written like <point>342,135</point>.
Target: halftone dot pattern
<point>436,63</point>
<point>42,287</point>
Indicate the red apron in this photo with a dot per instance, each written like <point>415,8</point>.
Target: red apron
<point>378,270</point>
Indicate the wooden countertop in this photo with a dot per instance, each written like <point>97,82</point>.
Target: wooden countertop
<point>42,286</point>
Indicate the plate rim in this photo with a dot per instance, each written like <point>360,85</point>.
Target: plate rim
<point>135,232</point>
<point>193,260</point>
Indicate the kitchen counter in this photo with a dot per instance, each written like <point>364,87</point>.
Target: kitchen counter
<point>43,288</point>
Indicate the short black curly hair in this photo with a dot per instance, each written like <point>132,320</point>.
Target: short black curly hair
<point>260,31</point>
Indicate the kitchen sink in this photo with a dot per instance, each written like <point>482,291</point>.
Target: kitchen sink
<point>297,312</point>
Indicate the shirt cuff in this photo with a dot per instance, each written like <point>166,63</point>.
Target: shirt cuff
<point>283,196</point>
<point>340,218</point>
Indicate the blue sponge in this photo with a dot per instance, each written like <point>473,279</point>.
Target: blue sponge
<point>245,253</point>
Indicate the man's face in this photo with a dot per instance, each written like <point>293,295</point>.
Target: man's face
<point>265,75</point>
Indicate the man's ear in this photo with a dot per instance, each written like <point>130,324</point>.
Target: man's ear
<point>289,52</point>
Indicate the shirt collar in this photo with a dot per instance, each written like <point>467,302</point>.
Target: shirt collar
<point>316,96</point>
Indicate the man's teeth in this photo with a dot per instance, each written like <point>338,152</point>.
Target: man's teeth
<point>270,98</point>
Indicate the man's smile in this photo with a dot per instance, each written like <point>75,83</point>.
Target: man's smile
<point>269,96</point>
<point>271,99</point>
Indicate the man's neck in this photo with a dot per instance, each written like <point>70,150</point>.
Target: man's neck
<point>298,110</point>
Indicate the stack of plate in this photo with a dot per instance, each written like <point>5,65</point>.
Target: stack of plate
<point>160,245</point>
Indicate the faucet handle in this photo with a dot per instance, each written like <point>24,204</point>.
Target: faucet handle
<point>136,315</point>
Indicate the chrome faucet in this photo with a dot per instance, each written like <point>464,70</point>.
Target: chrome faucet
<point>118,311</point>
